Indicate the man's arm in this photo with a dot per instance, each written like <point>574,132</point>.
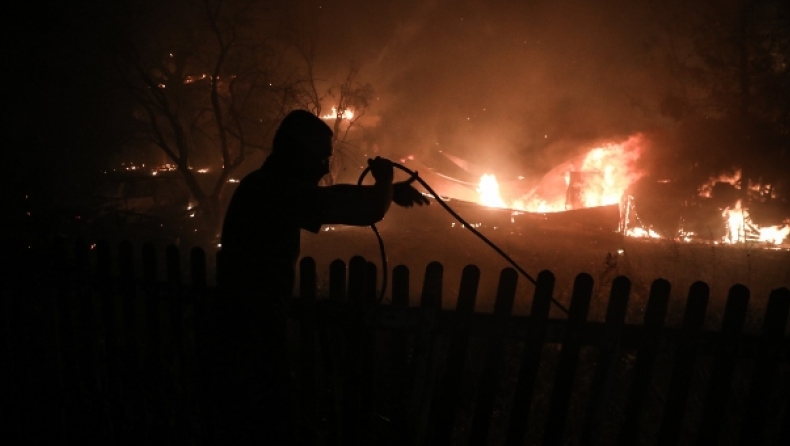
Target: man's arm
<point>354,205</point>
<point>358,205</point>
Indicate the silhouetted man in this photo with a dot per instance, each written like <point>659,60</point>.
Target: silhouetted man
<point>260,248</point>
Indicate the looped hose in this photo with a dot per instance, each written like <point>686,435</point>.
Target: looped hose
<point>457,217</point>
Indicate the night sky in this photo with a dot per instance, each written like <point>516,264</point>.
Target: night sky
<point>517,86</point>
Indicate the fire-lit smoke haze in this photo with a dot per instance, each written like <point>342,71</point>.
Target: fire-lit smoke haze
<point>517,86</point>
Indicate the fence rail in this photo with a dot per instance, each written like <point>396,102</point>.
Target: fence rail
<point>114,352</point>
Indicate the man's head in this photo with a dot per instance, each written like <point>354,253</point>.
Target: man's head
<point>304,139</point>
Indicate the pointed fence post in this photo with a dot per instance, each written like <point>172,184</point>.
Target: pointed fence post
<point>399,356</point>
<point>495,356</point>
<point>608,356</point>
<point>331,340</point>
<point>569,359</point>
<point>307,354</point>
<point>645,359</point>
<point>87,342</point>
<point>688,339</point>
<point>154,370</point>
<point>353,356</point>
<point>152,313</point>
<point>131,361</point>
<point>202,336</point>
<point>109,323</point>
<point>426,346</point>
<point>368,344</point>
<point>766,365</point>
<point>66,308</point>
<point>107,297</point>
<point>534,338</point>
<point>176,306</point>
<point>724,362</point>
<point>443,407</point>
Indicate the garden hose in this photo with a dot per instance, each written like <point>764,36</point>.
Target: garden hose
<point>457,217</point>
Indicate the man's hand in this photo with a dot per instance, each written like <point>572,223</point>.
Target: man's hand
<point>381,169</point>
<point>404,194</point>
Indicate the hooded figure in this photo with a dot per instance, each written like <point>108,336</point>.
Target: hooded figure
<point>257,264</point>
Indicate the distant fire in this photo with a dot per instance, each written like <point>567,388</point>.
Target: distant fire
<point>616,163</point>
<point>489,192</point>
<point>641,232</point>
<point>347,114</point>
<point>740,229</point>
<point>733,179</point>
<point>605,174</point>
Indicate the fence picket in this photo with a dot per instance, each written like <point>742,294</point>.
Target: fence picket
<point>106,292</point>
<point>82,353</point>
<point>495,357</point>
<point>398,357</point>
<point>307,345</point>
<point>152,322</point>
<point>109,325</point>
<point>368,370</point>
<point>128,290</point>
<point>534,338</point>
<point>331,336</point>
<point>426,346</point>
<point>87,342</point>
<point>608,356</point>
<point>685,357</point>
<point>153,353</point>
<point>443,407</point>
<point>766,366</point>
<point>723,365</point>
<point>71,409</point>
<point>203,332</point>
<point>569,359</point>
<point>175,305</point>
<point>353,355</point>
<point>655,313</point>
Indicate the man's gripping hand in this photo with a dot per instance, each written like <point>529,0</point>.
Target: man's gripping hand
<point>381,169</point>
<point>404,194</point>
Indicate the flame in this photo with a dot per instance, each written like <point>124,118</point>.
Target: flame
<point>735,224</point>
<point>347,114</point>
<point>774,234</point>
<point>612,171</point>
<point>489,192</point>
<point>740,229</point>
<point>735,179</point>
<point>615,162</point>
<point>641,232</point>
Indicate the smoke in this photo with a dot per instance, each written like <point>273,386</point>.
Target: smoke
<point>517,86</point>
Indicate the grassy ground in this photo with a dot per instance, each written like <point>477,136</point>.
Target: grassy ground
<point>566,254</point>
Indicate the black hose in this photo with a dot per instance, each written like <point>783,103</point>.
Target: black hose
<point>457,217</point>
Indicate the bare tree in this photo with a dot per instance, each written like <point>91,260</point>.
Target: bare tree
<point>210,88</point>
<point>348,100</point>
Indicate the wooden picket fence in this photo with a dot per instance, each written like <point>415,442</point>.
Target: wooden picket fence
<point>114,353</point>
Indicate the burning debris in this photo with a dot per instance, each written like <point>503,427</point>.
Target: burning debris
<point>606,175</point>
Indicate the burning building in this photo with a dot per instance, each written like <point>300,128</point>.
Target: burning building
<point>609,192</point>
